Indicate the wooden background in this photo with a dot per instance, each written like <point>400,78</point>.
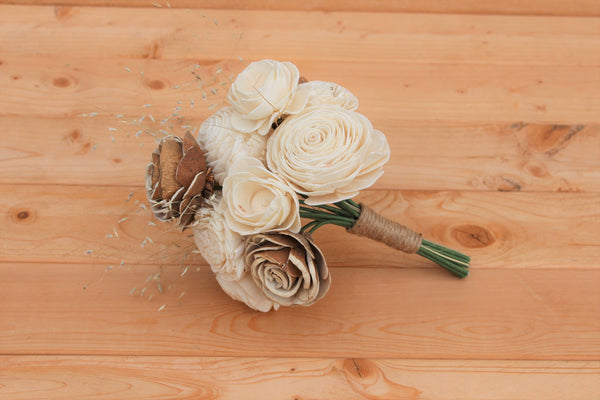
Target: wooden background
<point>492,111</point>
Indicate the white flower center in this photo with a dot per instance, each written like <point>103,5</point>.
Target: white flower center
<point>261,200</point>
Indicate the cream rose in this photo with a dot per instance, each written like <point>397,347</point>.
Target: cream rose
<point>288,267</point>
<point>255,200</point>
<point>222,144</point>
<point>220,246</point>
<point>246,291</point>
<point>327,153</point>
<point>319,92</point>
<point>262,92</point>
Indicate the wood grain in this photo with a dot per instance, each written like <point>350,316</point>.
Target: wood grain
<point>70,224</point>
<point>500,7</point>
<point>371,313</point>
<point>70,87</point>
<point>491,111</point>
<point>296,35</point>
<point>426,155</point>
<point>129,378</point>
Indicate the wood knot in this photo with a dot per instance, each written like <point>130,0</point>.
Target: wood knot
<point>156,84</point>
<point>73,136</point>
<point>359,368</point>
<point>63,12</point>
<point>473,236</point>
<point>62,82</point>
<point>23,216</point>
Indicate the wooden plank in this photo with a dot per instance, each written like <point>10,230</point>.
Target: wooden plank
<point>369,313</point>
<point>503,7</point>
<point>297,35</point>
<point>80,224</point>
<point>426,155</point>
<point>56,86</point>
<point>97,377</point>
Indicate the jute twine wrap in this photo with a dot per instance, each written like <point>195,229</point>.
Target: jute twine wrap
<point>374,226</point>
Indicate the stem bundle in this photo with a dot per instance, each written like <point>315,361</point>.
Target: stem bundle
<point>361,220</point>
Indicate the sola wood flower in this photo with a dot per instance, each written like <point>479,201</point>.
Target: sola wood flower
<point>320,92</point>
<point>222,143</point>
<point>327,153</point>
<point>316,147</point>
<point>262,93</point>
<point>246,291</point>
<point>221,247</point>
<point>177,179</point>
<point>256,200</point>
<point>288,267</point>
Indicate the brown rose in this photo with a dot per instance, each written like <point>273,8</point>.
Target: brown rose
<point>177,179</point>
<point>288,267</point>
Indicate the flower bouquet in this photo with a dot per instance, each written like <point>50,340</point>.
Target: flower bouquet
<point>284,150</point>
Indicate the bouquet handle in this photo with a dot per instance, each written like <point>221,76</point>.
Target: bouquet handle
<point>400,237</point>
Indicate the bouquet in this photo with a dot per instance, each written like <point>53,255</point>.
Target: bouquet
<point>284,151</point>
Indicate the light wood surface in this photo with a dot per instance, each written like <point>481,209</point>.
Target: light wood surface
<point>492,111</point>
<point>369,313</point>
<point>508,7</point>
<point>128,378</point>
<point>508,230</point>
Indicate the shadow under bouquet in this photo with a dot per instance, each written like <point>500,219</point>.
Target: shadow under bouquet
<point>285,158</point>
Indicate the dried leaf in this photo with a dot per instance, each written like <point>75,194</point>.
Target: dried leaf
<point>170,156</point>
<point>192,162</point>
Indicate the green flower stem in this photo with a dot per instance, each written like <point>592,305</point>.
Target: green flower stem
<point>345,213</point>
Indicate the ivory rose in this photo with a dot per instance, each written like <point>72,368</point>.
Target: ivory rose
<point>288,267</point>
<point>256,200</point>
<point>222,143</point>
<point>262,93</point>
<point>246,291</point>
<point>328,153</point>
<point>320,92</point>
<point>220,246</point>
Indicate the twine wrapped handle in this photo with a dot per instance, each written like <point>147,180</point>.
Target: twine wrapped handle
<point>376,227</point>
<point>361,220</point>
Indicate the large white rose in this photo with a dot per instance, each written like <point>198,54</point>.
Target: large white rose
<point>320,92</point>
<point>328,153</point>
<point>222,143</point>
<point>246,291</point>
<point>256,200</point>
<point>262,92</point>
<point>220,246</point>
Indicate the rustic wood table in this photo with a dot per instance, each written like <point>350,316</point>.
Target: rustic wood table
<point>492,111</point>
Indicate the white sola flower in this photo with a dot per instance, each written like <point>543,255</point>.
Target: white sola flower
<point>328,153</point>
<point>262,93</point>
<point>256,200</point>
<point>222,144</point>
<point>221,247</point>
<point>320,92</point>
<point>246,291</point>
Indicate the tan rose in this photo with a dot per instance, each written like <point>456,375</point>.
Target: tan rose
<point>288,267</point>
<point>328,153</point>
